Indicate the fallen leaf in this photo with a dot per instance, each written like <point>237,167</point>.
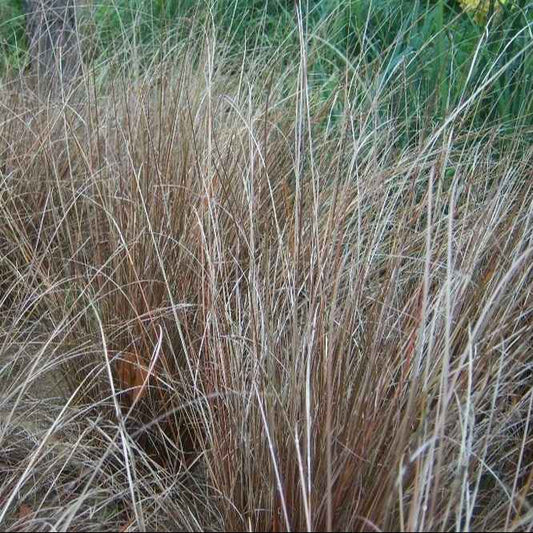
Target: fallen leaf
<point>24,511</point>
<point>132,374</point>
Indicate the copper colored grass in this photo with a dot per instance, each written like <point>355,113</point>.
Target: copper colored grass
<point>262,323</point>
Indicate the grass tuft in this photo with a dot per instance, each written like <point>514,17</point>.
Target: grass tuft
<point>234,298</point>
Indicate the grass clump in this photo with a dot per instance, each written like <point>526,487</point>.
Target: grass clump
<point>254,301</point>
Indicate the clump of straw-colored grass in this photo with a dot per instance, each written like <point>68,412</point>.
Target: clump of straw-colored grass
<point>267,314</point>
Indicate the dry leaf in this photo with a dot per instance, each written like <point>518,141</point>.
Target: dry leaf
<point>132,373</point>
<point>24,511</point>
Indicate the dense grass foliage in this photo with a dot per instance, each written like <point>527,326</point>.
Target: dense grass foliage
<point>273,275</point>
<point>443,49</point>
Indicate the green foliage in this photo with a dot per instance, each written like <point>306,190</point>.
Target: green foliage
<point>160,25</point>
<point>435,51</point>
<point>123,25</point>
<point>441,52</point>
<point>12,35</point>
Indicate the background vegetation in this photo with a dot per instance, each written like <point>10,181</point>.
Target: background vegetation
<point>441,47</point>
<point>269,267</point>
